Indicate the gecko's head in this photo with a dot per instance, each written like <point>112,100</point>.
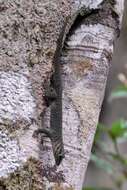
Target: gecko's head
<point>58,151</point>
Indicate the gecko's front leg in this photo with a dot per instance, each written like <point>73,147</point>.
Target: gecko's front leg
<point>46,133</point>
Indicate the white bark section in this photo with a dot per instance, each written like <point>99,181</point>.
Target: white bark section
<point>120,7</point>
<point>83,100</point>
<point>90,3</point>
<point>16,104</point>
<point>87,3</point>
<point>10,155</point>
<point>16,100</point>
<point>100,34</point>
<point>15,152</point>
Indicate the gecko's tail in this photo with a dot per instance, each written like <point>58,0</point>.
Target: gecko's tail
<point>58,150</point>
<point>57,144</point>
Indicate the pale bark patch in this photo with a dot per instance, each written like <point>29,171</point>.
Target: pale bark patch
<point>16,97</point>
<point>10,154</point>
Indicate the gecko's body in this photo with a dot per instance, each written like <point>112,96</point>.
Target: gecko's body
<point>53,98</point>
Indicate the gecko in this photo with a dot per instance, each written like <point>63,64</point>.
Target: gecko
<point>53,98</point>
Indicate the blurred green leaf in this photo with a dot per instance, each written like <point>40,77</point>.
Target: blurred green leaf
<point>118,129</point>
<point>102,164</point>
<point>97,188</point>
<point>120,92</point>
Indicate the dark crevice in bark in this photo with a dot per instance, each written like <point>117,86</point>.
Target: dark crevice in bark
<point>85,13</point>
<point>105,14</point>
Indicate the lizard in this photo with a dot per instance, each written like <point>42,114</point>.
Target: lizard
<point>53,98</point>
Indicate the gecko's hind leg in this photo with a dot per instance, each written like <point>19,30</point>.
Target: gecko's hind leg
<point>45,133</point>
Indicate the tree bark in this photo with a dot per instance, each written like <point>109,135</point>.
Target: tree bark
<point>28,39</point>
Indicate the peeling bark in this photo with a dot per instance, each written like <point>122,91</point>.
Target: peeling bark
<point>29,32</point>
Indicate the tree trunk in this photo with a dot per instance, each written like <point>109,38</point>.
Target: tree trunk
<point>28,40</point>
